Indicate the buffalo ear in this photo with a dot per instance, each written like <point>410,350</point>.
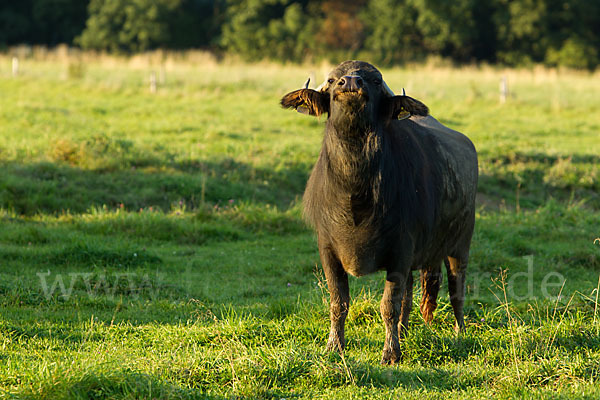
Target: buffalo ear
<point>307,101</point>
<point>400,107</point>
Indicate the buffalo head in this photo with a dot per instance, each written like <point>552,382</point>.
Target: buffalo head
<point>356,90</point>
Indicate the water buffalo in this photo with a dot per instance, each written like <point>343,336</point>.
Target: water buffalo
<point>393,190</point>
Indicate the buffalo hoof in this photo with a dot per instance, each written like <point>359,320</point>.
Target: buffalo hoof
<point>335,344</point>
<point>390,356</point>
<point>459,328</point>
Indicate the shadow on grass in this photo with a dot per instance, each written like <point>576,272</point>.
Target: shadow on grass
<point>426,347</point>
<point>144,181</point>
<point>544,158</point>
<point>118,384</point>
<point>532,178</point>
<point>82,255</point>
<point>27,332</point>
<point>198,227</point>
<point>53,188</point>
<point>420,378</point>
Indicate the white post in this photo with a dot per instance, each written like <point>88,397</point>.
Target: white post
<point>15,66</point>
<point>152,82</point>
<point>503,89</point>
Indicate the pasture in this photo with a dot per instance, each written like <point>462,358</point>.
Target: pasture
<point>152,244</point>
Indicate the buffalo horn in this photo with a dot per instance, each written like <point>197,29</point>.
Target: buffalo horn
<point>387,89</point>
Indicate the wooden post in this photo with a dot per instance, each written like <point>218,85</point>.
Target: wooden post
<point>503,89</point>
<point>152,82</point>
<point>15,66</point>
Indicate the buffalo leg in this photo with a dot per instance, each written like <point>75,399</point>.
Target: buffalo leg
<point>407,303</point>
<point>391,304</point>
<point>339,294</point>
<point>456,268</point>
<point>430,285</point>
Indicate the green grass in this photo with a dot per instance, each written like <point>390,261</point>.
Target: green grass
<point>152,245</point>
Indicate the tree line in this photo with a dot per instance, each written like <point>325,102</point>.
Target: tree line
<point>388,32</point>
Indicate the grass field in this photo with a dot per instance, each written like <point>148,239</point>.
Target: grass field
<point>152,244</point>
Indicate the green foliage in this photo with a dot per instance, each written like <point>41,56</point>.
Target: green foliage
<point>115,25</point>
<point>407,30</point>
<point>15,23</point>
<point>522,33</point>
<point>194,24</point>
<point>58,21</point>
<point>277,29</point>
<point>126,25</point>
<point>448,28</point>
<point>389,32</point>
<point>392,36</point>
<point>549,31</point>
<point>574,53</point>
<point>49,22</point>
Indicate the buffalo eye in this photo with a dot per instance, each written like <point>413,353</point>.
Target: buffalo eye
<point>377,81</point>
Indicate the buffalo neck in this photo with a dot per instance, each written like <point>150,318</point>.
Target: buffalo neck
<point>353,154</point>
<point>359,175</point>
<point>350,119</point>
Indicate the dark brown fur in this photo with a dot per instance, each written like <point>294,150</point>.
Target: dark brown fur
<point>387,194</point>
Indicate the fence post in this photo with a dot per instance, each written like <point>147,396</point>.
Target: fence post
<point>15,66</point>
<point>152,82</point>
<point>503,89</point>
